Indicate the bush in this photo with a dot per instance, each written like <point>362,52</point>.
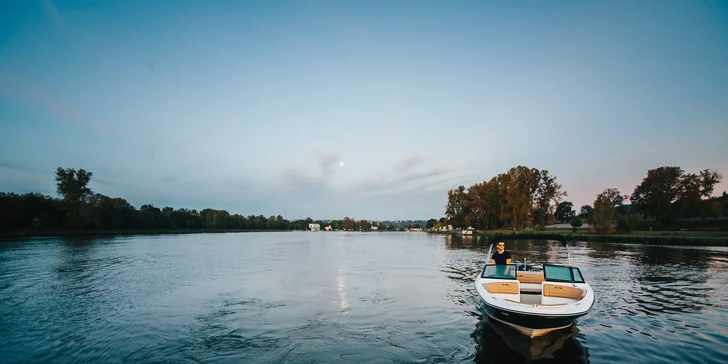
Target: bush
<point>623,224</point>
<point>575,223</point>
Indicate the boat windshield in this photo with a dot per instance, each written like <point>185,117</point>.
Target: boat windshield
<point>560,273</point>
<point>507,271</point>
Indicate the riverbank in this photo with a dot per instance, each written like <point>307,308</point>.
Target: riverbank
<point>683,238</point>
<point>66,233</point>
<point>123,232</point>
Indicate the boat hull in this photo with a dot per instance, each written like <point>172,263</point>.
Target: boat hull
<point>529,324</point>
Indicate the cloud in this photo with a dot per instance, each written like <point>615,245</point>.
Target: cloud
<point>52,12</point>
<point>19,168</point>
<point>327,161</point>
<point>409,163</point>
<point>399,179</point>
<point>34,170</point>
<point>101,181</point>
<point>59,109</point>
<point>410,181</point>
<point>296,178</point>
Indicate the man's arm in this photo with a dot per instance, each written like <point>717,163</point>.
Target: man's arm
<point>492,261</point>
<point>508,261</point>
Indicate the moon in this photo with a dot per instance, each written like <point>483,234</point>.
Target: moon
<point>341,164</point>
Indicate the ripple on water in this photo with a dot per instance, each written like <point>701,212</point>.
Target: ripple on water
<point>340,298</point>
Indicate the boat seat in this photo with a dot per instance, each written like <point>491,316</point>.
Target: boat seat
<point>502,287</point>
<point>530,277</point>
<point>553,290</point>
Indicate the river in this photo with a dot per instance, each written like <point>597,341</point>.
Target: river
<point>304,297</point>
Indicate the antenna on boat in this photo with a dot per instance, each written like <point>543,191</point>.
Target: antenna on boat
<point>568,253</point>
<point>490,248</point>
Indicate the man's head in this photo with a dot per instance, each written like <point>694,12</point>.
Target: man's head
<point>501,246</point>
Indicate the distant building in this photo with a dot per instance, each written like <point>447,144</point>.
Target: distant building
<point>314,227</point>
<point>375,227</point>
<point>328,228</point>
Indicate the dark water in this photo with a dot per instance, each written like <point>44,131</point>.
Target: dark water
<point>340,297</point>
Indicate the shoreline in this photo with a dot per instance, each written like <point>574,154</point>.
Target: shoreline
<point>665,238</point>
<point>126,232</point>
<point>668,238</point>
<point>123,232</point>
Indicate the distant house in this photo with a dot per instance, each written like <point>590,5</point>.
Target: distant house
<point>328,228</point>
<point>314,227</point>
<point>415,229</point>
<point>375,227</point>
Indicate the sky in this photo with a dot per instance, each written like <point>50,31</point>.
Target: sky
<point>367,109</point>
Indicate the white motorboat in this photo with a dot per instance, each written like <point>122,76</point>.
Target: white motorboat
<point>534,299</point>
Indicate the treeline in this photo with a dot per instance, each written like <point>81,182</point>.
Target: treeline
<point>667,198</point>
<point>515,199</point>
<point>79,208</point>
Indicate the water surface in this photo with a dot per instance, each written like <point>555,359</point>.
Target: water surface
<point>340,297</point>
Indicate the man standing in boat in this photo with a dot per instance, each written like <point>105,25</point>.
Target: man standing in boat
<point>501,257</point>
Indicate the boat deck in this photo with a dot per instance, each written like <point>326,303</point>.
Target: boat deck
<point>531,299</point>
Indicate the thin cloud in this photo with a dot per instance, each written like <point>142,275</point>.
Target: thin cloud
<point>410,162</point>
<point>59,109</point>
<point>19,168</point>
<point>440,185</point>
<point>52,12</point>
<point>298,178</point>
<point>327,162</point>
<point>101,181</point>
<point>379,184</point>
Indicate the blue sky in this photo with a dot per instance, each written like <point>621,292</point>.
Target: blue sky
<point>252,106</point>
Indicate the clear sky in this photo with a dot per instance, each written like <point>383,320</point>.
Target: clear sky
<point>370,109</point>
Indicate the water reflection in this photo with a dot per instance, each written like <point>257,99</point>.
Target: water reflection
<point>453,242</point>
<point>496,342</point>
<point>342,298</point>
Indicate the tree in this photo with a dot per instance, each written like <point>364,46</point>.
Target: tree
<point>564,211</point>
<point>547,196</point>
<point>518,186</point>
<point>431,223</point>
<point>456,206</point>
<point>519,197</point>
<point>575,223</point>
<point>483,205</point>
<point>347,224</point>
<point>364,225</point>
<point>667,191</point>
<point>604,216</point>
<point>73,185</point>
<point>615,196</point>
<point>585,213</point>
<point>528,196</point>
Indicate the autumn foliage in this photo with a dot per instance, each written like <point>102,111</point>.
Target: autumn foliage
<point>515,199</point>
